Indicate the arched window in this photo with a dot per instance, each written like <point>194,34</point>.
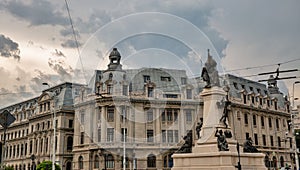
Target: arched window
<point>126,162</point>
<point>274,161</point>
<point>69,143</point>
<point>80,162</point>
<point>96,161</point>
<point>109,161</point>
<point>151,161</point>
<point>281,161</point>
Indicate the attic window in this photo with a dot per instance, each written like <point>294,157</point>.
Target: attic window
<point>251,88</point>
<point>235,85</point>
<point>163,78</point>
<point>243,86</point>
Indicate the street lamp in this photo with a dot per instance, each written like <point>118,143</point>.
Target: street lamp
<point>54,126</point>
<point>292,119</point>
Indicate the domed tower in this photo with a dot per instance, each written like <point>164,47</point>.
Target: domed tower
<point>114,58</point>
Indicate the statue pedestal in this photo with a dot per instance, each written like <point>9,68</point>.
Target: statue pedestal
<point>205,154</point>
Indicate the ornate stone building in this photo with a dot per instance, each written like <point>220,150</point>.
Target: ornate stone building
<point>31,135</point>
<point>147,111</point>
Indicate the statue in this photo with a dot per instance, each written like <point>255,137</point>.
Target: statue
<point>198,128</point>
<point>248,147</point>
<point>187,146</point>
<point>225,112</point>
<point>209,72</point>
<point>222,143</point>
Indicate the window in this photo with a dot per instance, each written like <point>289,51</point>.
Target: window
<point>183,80</point>
<point>235,85</point>
<point>169,115</point>
<point>245,99</point>
<point>189,93</point>
<point>125,90</point>
<point>254,120</point>
<point>252,99</point>
<point>163,78</point>
<point>271,141</point>
<point>255,139</point>
<point>149,135</point>
<point>46,146</point>
<point>279,141</point>
<point>264,140</point>
<point>96,162</point>
<point>70,123</point>
<point>122,137</point>
<point>150,91</point>
<point>163,116</point>
<point>150,115</point>
<point>110,76</point>
<point>268,103</point>
<point>251,88</point>
<point>146,78</point>
<point>110,135</point>
<point>151,161</point>
<point>246,118</point>
<point>110,114</point>
<point>80,162</point>
<point>109,89</point>
<point>260,101</point>
<point>176,136</point>
<point>163,136</point>
<point>123,113</point>
<point>170,136</point>
<point>82,138</point>
<point>109,161</point>
<point>69,143</point>
<point>82,117</point>
<point>168,161</point>
<point>247,135</point>
<point>270,122</point>
<point>262,121</point>
<point>275,105</point>
<point>188,116</point>
<point>99,135</point>
<point>277,123</point>
<point>126,162</point>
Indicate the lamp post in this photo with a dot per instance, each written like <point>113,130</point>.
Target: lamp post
<point>292,119</point>
<point>54,127</point>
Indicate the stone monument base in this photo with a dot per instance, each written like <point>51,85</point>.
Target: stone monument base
<point>223,160</point>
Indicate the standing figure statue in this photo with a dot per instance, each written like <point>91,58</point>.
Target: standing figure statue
<point>198,128</point>
<point>210,73</point>
<point>225,112</point>
<point>222,142</point>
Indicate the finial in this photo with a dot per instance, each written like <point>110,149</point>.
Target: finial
<point>208,52</point>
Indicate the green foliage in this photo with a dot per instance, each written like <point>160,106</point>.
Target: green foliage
<point>9,168</point>
<point>47,165</point>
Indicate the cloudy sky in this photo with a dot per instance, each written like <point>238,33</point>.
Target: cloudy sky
<point>37,43</point>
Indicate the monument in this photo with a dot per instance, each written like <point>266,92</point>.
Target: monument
<point>216,147</point>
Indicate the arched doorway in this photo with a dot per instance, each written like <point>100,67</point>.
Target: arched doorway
<point>69,166</point>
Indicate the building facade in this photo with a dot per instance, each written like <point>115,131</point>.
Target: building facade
<point>29,140</point>
<point>138,118</point>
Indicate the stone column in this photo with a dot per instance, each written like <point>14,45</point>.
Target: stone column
<point>156,117</point>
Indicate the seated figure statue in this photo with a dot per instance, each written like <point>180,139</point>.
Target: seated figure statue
<point>248,146</point>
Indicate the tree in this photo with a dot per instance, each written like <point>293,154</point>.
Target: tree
<point>47,165</point>
<point>9,168</point>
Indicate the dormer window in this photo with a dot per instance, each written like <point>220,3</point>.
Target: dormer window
<point>163,78</point>
<point>146,78</point>
<point>110,76</point>
<point>235,85</point>
<point>150,91</point>
<point>109,89</point>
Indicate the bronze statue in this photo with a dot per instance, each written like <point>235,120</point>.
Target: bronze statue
<point>225,112</point>
<point>222,142</point>
<point>210,73</point>
<point>248,146</point>
<point>198,128</point>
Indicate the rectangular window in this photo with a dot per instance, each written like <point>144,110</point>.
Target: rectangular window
<point>163,136</point>
<point>169,115</point>
<point>260,101</point>
<point>149,135</point>
<point>163,116</point>
<point>254,120</point>
<point>125,90</point>
<point>175,115</point>
<point>150,115</point>
<point>245,99</point>
<point>255,139</point>
<point>183,80</point>
<point>247,135</point>
<point>170,136</point>
<point>82,138</point>
<point>99,114</point>
<point>277,123</point>
<point>82,117</point>
<point>150,91</point>
<point>176,136</point>
<point>279,141</point>
<point>163,78</point>
<point>110,114</point>
<point>271,141</point>
<point>122,137</point>
<point>264,140</point>
<point>110,135</point>
<point>262,121</point>
<point>123,113</point>
<point>109,89</point>
<point>188,116</point>
<point>99,135</point>
<point>246,118</point>
<point>270,122</point>
<point>189,93</point>
<point>146,78</point>
<point>70,123</point>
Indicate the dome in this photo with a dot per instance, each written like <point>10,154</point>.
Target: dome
<point>114,53</point>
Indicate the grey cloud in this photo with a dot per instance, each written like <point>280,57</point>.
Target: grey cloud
<point>9,48</point>
<point>70,44</point>
<point>58,53</point>
<point>36,12</point>
<point>59,66</point>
